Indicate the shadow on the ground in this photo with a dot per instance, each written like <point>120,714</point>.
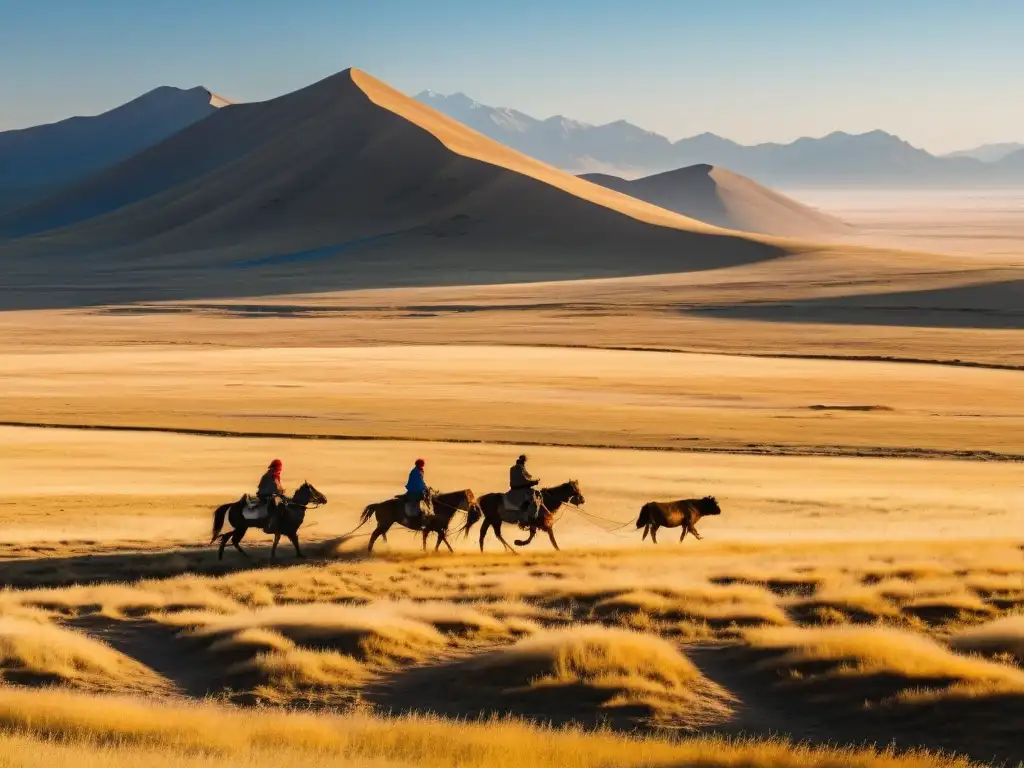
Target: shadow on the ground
<point>128,566</point>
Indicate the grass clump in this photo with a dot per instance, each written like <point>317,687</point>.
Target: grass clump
<point>33,652</point>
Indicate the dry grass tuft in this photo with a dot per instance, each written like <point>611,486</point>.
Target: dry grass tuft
<point>371,634</point>
<point>942,609</point>
<point>146,598</point>
<point>863,651</point>
<point>584,673</point>
<point>715,606</point>
<point>839,603</point>
<point>36,653</point>
<point>57,728</point>
<point>1003,636</point>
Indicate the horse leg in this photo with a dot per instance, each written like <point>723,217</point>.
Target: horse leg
<point>647,529</point>
<point>236,539</point>
<point>483,532</point>
<point>223,541</point>
<point>683,535</point>
<point>526,542</point>
<point>426,533</point>
<point>693,530</point>
<point>381,531</point>
<point>444,538</point>
<point>373,538</point>
<point>551,535</point>
<point>294,538</point>
<point>273,547</point>
<point>497,532</point>
<point>654,534</point>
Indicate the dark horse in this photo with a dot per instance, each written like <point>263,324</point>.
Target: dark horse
<point>445,506</point>
<point>290,518</point>
<point>492,506</point>
<point>672,514</point>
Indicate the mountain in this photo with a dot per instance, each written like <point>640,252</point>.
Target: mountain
<point>989,153</point>
<point>345,183</point>
<point>621,148</point>
<point>558,140</point>
<point>34,161</point>
<point>718,196</point>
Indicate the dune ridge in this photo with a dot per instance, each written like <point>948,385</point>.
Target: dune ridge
<point>725,199</point>
<point>343,183</point>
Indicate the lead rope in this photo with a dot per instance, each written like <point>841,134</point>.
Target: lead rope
<point>591,518</point>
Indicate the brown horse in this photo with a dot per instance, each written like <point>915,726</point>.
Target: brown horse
<point>492,506</point>
<point>672,514</point>
<point>393,511</point>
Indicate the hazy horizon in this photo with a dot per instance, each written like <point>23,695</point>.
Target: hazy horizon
<point>940,75</point>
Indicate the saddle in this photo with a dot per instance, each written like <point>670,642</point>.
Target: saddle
<point>410,508</point>
<point>512,512</point>
<point>253,508</point>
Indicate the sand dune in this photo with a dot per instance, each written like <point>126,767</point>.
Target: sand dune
<point>346,182</point>
<point>725,199</point>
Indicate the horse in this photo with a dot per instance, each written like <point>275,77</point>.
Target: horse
<point>290,517</point>
<point>672,514</point>
<point>552,499</point>
<point>393,511</point>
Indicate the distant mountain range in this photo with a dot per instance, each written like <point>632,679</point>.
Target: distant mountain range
<point>874,158</point>
<point>35,161</point>
<point>41,165</point>
<point>989,153</point>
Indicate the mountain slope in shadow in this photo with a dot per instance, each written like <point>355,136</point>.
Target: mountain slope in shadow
<point>344,183</point>
<point>36,161</point>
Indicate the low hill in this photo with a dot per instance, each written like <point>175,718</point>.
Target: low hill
<point>726,199</point>
<point>346,182</point>
<point>35,161</point>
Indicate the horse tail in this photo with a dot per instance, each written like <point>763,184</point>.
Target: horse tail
<point>645,516</point>
<point>365,517</point>
<point>218,520</point>
<point>472,518</point>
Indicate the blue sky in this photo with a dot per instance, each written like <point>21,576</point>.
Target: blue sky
<point>943,74</point>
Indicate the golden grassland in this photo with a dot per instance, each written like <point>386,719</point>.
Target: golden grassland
<point>575,397</point>
<point>62,728</point>
<point>621,638</point>
<point>864,584</point>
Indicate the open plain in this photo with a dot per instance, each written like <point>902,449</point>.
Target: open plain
<point>854,407</point>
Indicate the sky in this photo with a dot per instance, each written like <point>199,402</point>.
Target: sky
<point>942,74</point>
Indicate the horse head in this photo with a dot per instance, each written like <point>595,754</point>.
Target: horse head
<point>577,495</point>
<point>307,495</point>
<point>708,506</point>
<point>568,493</point>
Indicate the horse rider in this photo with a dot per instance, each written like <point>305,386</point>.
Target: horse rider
<point>269,491</point>
<point>521,485</point>
<point>416,492</point>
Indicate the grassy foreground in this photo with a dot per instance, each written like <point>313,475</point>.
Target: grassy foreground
<point>56,728</point>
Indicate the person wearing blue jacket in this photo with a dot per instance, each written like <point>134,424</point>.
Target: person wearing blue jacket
<point>416,490</point>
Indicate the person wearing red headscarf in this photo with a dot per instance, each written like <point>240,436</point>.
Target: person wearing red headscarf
<point>269,491</point>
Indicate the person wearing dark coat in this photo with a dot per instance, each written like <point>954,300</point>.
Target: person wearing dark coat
<point>269,491</point>
<point>521,485</point>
